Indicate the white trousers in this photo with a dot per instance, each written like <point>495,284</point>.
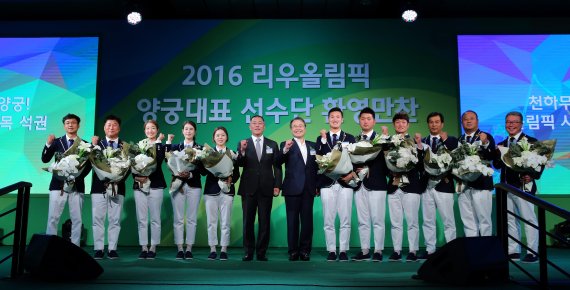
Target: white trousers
<point>408,204</point>
<point>476,208</point>
<point>219,205</point>
<point>443,202</point>
<point>337,200</point>
<point>149,203</point>
<point>103,207</point>
<point>525,210</point>
<point>57,204</point>
<point>185,203</point>
<point>371,210</point>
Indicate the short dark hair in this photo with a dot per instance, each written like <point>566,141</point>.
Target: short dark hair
<point>367,110</point>
<point>402,115</point>
<point>71,116</point>
<point>470,111</point>
<point>336,109</point>
<point>257,116</point>
<point>514,113</point>
<point>223,129</point>
<point>191,124</point>
<point>435,114</point>
<point>297,118</point>
<point>113,118</point>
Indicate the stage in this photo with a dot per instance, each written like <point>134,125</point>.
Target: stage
<point>164,272</point>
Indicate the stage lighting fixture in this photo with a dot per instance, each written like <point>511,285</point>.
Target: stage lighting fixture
<point>134,18</point>
<point>409,15</point>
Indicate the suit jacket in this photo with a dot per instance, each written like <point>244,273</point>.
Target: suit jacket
<point>157,177</point>
<point>483,182</point>
<point>60,145</point>
<point>259,175</point>
<point>322,180</point>
<point>97,185</point>
<point>446,183</point>
<point>376,179</point>
<point>300,177</point>
<point>510,176</point>
<point>414,176</point>
<point>212,188</point>
<point>195,181</point>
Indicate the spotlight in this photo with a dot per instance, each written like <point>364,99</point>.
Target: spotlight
<point>134,18</point>
<point>409,15</point>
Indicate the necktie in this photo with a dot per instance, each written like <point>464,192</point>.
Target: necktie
<point>511,140</point>
<point>364,137</point>
<point>434,144</point>
<point>70,143</point>
<point>334,140</point>
<point>112,144</point>
<point>258,148</point>
<point>468,139</point>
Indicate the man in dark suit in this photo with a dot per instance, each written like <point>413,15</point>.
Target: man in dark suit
<point>476,200</point>
<point>260,182</point>
<point>104,205</point>
<point>336,195</point>
<point>299,189</point>
<point>513,125</point>
<point>439,190</point>
<point>370,196</point>
<point>58,196</point>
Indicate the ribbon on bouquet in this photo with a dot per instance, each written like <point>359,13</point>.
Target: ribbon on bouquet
<point>400,180</point>
<point>113,188</point>
<point>67,186</point>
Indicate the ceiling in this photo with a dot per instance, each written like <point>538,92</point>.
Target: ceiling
<point>256,9</point>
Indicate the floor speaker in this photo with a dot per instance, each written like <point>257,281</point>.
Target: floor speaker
<point>51,257</point>
<point>467,261</point>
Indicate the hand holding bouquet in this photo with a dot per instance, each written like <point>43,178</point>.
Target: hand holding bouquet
<point>111,166</point>
<point>364,150</point>
<point>221,165</point>
<point>401,157</point>
<point>181,162</point>
<point>437,164</point>
<point>143,157</point>
<point>467,165</point>
<point>70,164</point>
<point>336,164</point>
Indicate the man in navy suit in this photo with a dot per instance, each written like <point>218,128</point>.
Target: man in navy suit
<point>439,190</point>
<point>513,125</point>
<point>58,197</point>
<point>103,205</point>
<point>299,189</point>
<point>476,200</point>
<point>260,182</point>
<point>336,195</point>
<point>370,196</point>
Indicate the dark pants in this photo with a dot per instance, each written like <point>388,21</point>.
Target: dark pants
<point>260,204</point>
<point>300,213</point>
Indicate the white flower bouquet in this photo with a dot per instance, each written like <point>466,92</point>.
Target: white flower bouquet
<point>335,164</point>
<point>436,165</point>
<point>528,158</point>
<point>181,161</point>
<point>111,166</point>
<point>467,165</point>
<point>143,158</point>
<point>221,165</point>
<point>401,157</point>
<point>70,164</point>
<point>364,150</point>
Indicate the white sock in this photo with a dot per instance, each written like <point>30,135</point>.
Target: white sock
<point>212,248</point>
<point>153,248</point>
<point>365,251</point>
<point>225,249</point>
<point>179,247</point>
<point>144,248</point>
<point>188,248</point>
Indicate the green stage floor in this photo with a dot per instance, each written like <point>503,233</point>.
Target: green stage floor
<point>165,272</point>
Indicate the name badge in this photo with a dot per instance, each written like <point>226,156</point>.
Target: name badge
<point>312,152</point>
<point>268,150</point>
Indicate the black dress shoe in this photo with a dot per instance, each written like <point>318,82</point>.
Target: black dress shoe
<point>247,258</point>
<point>293,257</point>
<point>262,258</point>
<point>305,257</point>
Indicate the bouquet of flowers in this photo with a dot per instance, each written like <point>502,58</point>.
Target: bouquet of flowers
<point>436,165</point>
<point>401,157</point>
<point>528,158</point>
<point>181,161</point>
<point>364,150</point>
<point>467,165</point>
<point>221,165</point>
<point>70,164</point>
<point>335,164</point>
<point>143,157</point>
<point>111,166</point>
